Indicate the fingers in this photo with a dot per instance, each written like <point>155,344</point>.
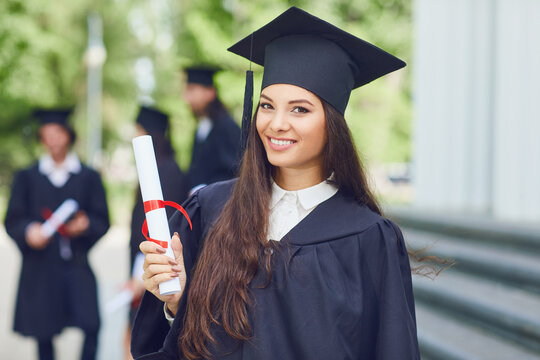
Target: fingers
<point>155,269</point>
<point>178,255</point>
<point>158,259</point>
<point>177,248</point>
<point>149,247</point>
<point>152,284</point>
<point>34,238</point>
<point>78,225</point>
<point>159,267</point>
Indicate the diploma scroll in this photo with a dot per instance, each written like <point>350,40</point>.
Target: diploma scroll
<point>59,217</point>
<point>156,217</point>
<point>119,301</point>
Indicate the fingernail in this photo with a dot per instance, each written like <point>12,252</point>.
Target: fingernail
<point>174,274</point>
<point>160,250</point>
<point>173,262</point>
<point>176,268</point>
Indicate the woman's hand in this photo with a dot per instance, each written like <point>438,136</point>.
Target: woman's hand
<point>78,225</point>
<point>34,238</point>
<point>158,268</point>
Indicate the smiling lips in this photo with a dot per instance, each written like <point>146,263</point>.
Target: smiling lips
<point>280,144</point>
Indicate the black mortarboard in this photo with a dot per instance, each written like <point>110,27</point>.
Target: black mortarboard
<point>203,75</point>
<point>153,120</point>
<point>55,116</point>
<point>300,49</point>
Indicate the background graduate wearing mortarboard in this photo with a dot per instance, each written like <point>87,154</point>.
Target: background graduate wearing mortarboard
<point>57,287</point>
<point>216,144</point>
<point>274,268</point>
<point>151,121</point>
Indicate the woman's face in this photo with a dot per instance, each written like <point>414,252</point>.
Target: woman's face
<point>56,139</point>
<point>198,97</point>
<point>292,126</point>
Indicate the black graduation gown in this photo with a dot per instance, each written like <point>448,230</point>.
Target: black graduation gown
<point>216,158</point>
<point>341,289</point>
<point>175,188</point>
<point>54,293</point>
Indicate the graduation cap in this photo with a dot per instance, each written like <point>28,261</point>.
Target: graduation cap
<point>153,120</point>
<point>300,49</point>
<point>55,116</point>
<point>202,75</point>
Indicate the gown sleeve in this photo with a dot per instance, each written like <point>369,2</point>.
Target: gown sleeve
<point>152,336</point>
<point>18,216</point>
<point>97,211</point>
<point>389,269</point>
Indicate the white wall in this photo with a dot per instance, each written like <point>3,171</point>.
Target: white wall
<point>477,107</point>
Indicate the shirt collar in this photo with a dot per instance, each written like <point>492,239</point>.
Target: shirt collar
<point>277,194</point>
<point>71,164</point>
<point>308,197</point>
<point>203,128</point>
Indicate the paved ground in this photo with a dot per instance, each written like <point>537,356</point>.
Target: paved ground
<point>109,260</point>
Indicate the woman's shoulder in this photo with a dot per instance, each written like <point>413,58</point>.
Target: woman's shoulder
<point>32,168</point>
<point>212,198</point>
<point>215,195</point>
<point>26,174</point>
<point>339,217</point>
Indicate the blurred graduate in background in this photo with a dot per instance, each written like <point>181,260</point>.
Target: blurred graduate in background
<point>216,146</point>
<point>57,287</point>
<point>155,123</point>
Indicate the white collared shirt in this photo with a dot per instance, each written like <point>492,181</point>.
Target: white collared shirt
<point>59,174</point>
<point>203,128</point>
<point>288,208</point>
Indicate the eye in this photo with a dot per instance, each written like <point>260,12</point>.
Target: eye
<point>265,106</point>
<point>300,110</point>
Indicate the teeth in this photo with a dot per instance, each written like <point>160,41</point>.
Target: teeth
<point>280,142</point>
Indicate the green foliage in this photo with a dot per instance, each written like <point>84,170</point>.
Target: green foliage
<point>379,114</point>
<point>41,65</point>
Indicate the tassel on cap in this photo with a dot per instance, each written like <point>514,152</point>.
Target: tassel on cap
<point>248,103</point>
<point>248,109</point>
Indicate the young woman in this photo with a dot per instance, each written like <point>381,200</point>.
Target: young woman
<point>293,259</point>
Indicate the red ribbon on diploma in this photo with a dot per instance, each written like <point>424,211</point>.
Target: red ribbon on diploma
<point>46,213</point>
<point>159,204</point>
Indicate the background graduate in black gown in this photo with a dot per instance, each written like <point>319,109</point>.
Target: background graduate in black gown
<point>155,123</point>
<point>57,287</point>
<point>216,145</point>
<point>292,260</point>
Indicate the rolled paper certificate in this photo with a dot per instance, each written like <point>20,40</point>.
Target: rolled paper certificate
<point>156,217</point>
<point>119,301</point>
<point>59,217</point>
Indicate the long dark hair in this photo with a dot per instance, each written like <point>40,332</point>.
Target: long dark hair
<point>231,253</point>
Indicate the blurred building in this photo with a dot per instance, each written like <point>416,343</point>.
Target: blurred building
<point>476,177</point>
<point>477,103</point>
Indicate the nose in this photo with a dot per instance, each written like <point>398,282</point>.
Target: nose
<point>279,122</point>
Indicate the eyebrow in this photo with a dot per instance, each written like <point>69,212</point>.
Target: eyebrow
<point>298,101</point>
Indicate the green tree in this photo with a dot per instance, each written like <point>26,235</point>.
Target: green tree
<point>42,46</point>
